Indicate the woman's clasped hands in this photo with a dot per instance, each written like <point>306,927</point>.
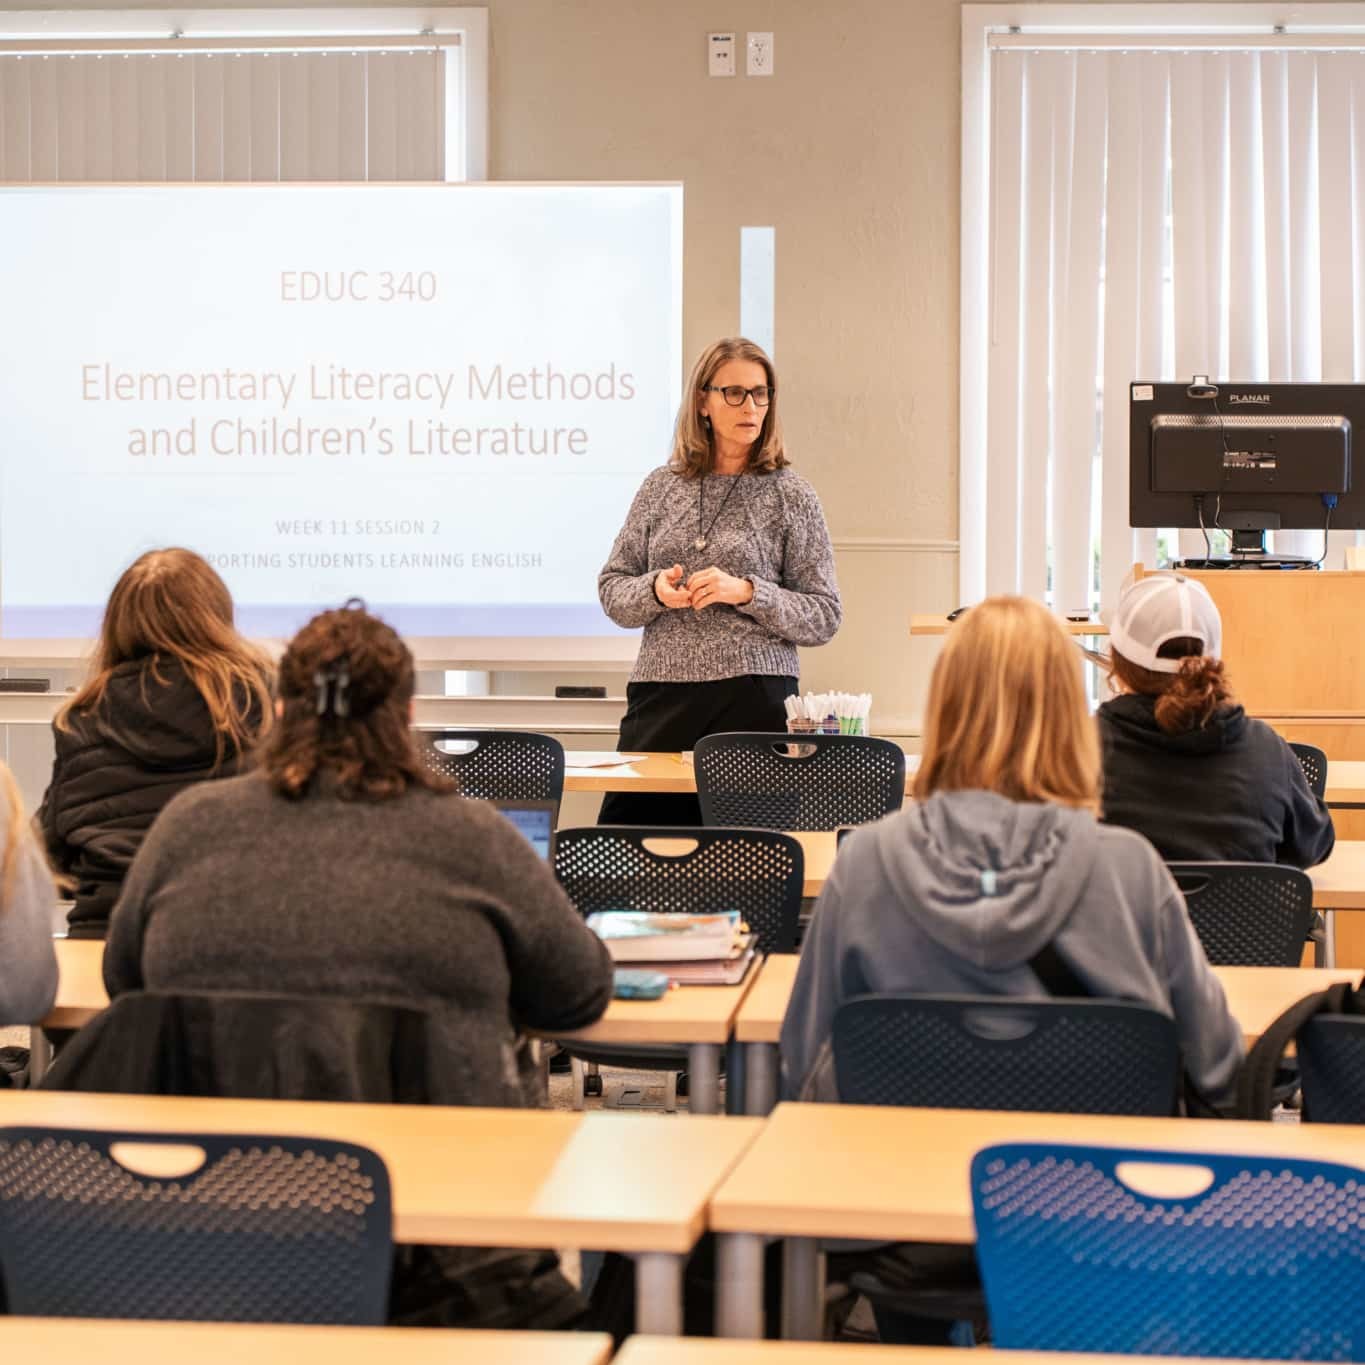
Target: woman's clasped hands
<point>703,589</point>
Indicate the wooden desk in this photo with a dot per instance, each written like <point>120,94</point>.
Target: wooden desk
<point>484,1177</point>
<point>589,771</point>
<point>833,1170</point>
<point>1345,782</point>
<point>1257,996</point>
<point>698,1017</point>
<point>595,771</point>
<point>606,771</point>
<point>699,1350</point>
<point>701,1018</point>
<point>77,1341</point>
<point>716,1351</point>
<point>1338,884</point>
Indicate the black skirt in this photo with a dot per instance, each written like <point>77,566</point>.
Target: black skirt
<point>666,717</point>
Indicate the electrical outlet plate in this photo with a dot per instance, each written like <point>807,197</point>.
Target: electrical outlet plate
<point>720,54</point>
<point>759,54</point>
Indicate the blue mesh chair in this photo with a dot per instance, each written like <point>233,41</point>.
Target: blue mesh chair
<point>986,1052</point>
<point>1266,1261</point>
<point>758,872</point>
<point>1331,1051</point>
<point>496,765</point>
<point>801,782</point>
<point>1314,763</point>
<point>1248,914</point>
<point>265,1229</point>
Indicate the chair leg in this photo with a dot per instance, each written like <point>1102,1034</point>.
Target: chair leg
<point>580,1098</point>
<point>670,1092</point>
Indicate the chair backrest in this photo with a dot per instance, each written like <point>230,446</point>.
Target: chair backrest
<point>1266,1260</point>
<point>1331,1049</point>
<point>757,872</point>
<point>1248,914</point>
<point>1314,763</point>
<point>263,1229</point>
<point>988,1052</point>
<point>801,782</point>
<point>496,765</point>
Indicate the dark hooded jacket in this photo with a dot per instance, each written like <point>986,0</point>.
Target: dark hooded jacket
<point>1230,791</point>
<point>907,908</point>
<point>150,737</point>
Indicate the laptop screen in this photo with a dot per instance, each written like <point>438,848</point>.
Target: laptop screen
<point>535,820</point>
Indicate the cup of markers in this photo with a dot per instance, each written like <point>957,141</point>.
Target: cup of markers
<point>829,713</point>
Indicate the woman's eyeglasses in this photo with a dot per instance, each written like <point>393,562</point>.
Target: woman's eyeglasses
<point>735,394</point>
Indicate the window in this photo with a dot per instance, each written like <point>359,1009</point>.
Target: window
<point>255,96</point>
<point>1148,193</point>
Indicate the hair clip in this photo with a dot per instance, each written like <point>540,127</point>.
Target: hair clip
<point>333,685</point>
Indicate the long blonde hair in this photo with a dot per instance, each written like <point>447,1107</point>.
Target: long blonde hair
<point>694,450</point>
<point>170,604</point>
<point>1007,710</point>
<point>17,834</point>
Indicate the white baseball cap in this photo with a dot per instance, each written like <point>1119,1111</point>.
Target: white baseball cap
<point>1163,607</point>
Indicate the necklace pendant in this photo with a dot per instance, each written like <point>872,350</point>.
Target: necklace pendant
<point>699,543</point>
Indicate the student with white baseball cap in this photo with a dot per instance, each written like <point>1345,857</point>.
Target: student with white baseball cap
<point>1183,762</point>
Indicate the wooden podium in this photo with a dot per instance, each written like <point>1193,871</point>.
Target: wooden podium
<point>1294,645</point>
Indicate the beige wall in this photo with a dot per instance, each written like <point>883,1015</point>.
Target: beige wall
<point>851,151</point>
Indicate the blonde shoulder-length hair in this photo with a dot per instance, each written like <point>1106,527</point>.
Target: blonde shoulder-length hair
<point>17,836</point>
<point>694,452</point>
<point>171,604</point>
<point>1007,710</point>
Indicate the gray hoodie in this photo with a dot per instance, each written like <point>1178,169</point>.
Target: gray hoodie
<point>28,961</point>
<point>907,908</point>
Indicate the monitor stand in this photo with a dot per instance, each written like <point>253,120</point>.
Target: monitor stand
<point>1249,552</point>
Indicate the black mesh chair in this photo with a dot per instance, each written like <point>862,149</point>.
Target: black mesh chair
<point>1331,1051</point>
<point>758,872</point>
<point>800,782</point>
<point>987,1052</point>
<point>1248,914</point>
<point>496,765</point>
<point>1314,763</point>
<point>264,1229</point>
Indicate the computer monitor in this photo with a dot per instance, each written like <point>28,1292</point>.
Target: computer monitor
<point>536,822</point>
<point>1245,458</point>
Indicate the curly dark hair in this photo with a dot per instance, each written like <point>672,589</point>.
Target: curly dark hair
<point>345,683</point>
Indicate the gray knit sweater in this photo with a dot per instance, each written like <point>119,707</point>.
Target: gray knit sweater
<point>770,530</point>
<point>425,899</point>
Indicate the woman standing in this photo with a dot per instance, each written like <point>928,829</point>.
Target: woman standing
<point>725,561</point>
<point>176,696</point>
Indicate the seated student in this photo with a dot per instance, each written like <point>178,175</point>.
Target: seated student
<point>1000,855</point>
<point>1184,765</point>
<point>28,964</point>
<point>344,868</point>
<point>176,695</point>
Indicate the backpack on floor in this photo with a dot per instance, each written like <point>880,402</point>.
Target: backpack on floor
<point>1256,1080</point>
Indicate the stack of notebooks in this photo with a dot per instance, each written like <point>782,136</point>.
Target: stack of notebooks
<point>694,950</point>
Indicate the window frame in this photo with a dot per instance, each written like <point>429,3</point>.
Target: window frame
<point>462,32</point>
<point>1041,24</point>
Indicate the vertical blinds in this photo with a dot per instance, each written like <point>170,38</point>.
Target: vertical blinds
<point>1154,214</point>
<point>223,115</point>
